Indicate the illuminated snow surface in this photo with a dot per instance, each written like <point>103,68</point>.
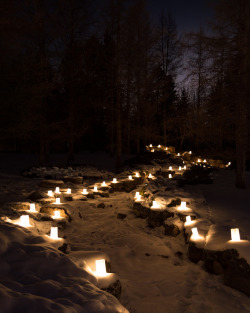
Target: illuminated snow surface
<point>155,276</point>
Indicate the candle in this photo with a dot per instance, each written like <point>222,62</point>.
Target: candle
<point>150,145</point>
<point>57,190</point>
<point>58,201</point>
<point>170,168</point>
<point>169,176</point>
<point>130,177</point>
<point>136,174</point>
<point>159,146</point>
<point>104,184</point>
<point>190,152</point>
<point>188,219</point>
<point>138,198</point>
<point>68,191</point>
<point>54,233</point>
<point>179,168</point>
<point>50,193</point>
<point>57,214</point>
<point>25,220</point>
<point>32,207</point>
<point>95,189</point>
<point>114,181</point>
<point>195,234</point>
<point>150,175</point>
<point>100,266</point>
<point>155,205</point>
<point>235,234</point>
<point>85,191</point>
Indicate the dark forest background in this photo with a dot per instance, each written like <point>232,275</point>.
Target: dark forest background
<point>76,76</point>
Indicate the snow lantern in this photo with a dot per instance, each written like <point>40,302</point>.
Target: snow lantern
<point>32,207</point>
<point>185,167</point>
<point>104,184</point>
<point>54,232</point>
<point>235,234</point>
<point>178,154</point>
<point>155,205</point>
<point>190,152</point>
<point>179,168</point>
<point>137,174</point>
<point>68,191</point>
<point>57,214</point>
<point>58,201</point>
<point>25,220</point>
<point>84,192</point>
<point>150,175</point>
<point>100,266</point>
<point>195,234</point>
<point>130,177</point>
<point>170,168</point>
<point>151,145</point>
<point>57,190</point>
<point>114,181</point>
<point>95,189</point>
<point>50,193</point>
<point>170,176</point>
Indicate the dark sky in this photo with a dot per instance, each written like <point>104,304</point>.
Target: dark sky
<point>189,14</point>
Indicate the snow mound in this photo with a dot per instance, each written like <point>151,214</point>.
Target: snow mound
<point>35,277</point>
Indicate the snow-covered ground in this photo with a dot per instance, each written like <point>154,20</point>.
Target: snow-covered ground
<point>154,270</point>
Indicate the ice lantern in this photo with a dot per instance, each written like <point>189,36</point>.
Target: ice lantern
<point>235,234</point>
<point>100,267</point>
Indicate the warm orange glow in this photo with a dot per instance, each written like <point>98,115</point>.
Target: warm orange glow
<point>179,168</point>
<point>137,174</point>
<point>104,184</point>
<point>130,177</point>
<point>85,192</point>
<point>150,175</point>
<point>114,181</point>
<point>155,205</point>
<point>170,168</point>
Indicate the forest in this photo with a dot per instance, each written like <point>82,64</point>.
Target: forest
<point>78,76</point>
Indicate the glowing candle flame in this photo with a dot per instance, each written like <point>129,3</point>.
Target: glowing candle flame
<point>85,192</point>
<point>54,233</point>
<point>179,168</point>
<point>159,146</point>
<point>151,145</point>
<point>185,167</point>
<point>178,154</point>
<point>170,176</point>
<point>50,193</point>
<point>57,214</point>
<point>58,201</point>
<point>68,191</point>
<point>32,207</point>
<point>100,266</point>
<point>130,177</point>
<point>188,219</point>
<point>114,181</point>
<point>57,190</point>
<point>95,189</point>
<point>235,234</point>
<point>137,194</point>
<point>190,152</point>
<point>150,175</point>
<point>205,161</point>
<point>170,168</point>
<point>195,234</point>
<point>155,205</point>
<point>25,220</point>
<point>199,160</point>
<point>166,148</point>
<point>104,184</point>
<point>136,174</point>
<point>152,150</point>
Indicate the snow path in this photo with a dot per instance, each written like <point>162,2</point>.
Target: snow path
<point>155,276</point>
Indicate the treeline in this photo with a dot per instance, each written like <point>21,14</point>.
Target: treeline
<point>76,78</point>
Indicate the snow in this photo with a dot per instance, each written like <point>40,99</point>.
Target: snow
<point>155,273</point>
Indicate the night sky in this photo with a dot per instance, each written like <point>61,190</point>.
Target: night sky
<point>189,14</point>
